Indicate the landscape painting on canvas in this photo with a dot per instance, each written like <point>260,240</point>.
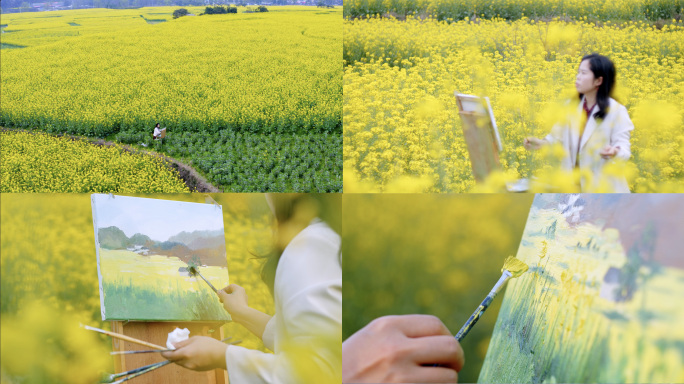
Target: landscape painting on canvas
<point>603,299</point>
<point>143,249</point>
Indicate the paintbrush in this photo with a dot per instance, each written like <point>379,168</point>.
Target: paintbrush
<point>143,370</point>
<point>110,378</point>
<point>192,268</point>
<point>164,350</point>
<point>134,352</point>
<point>512,268</point>
<point>124,337</point>
<point>148,368</point>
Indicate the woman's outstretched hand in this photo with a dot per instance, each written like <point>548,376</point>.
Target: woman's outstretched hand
<point>402,349</point>
<point>608,152</point>
<point>533,143</point>
<point>234,299</point>
<point>199,353</point>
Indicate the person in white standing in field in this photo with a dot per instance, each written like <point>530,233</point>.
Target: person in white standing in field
<point>157,134</point>
<point>305,334</point>
<point>601,135</point>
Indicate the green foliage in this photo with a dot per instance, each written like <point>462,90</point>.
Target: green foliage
<point>219,9</point>
<point>194,263</point>
<point>246,162</point>
<point>180,13</point>
<point>130,301</point>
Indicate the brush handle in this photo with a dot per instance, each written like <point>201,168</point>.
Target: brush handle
<point>142,370</point>
<point>474,317</point>
<point>133,352</point>
<point>147,369</point>
<point>115,376</point>
<point>207,281</point>
<point>124,337</point>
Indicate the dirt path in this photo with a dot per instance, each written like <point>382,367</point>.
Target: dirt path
<point>191,178</point>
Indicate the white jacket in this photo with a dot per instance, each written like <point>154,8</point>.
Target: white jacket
<point>613,130</point>
<point>308,305</point>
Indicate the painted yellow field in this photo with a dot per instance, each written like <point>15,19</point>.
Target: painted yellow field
<point>157,272</point>
<point>566,321</point>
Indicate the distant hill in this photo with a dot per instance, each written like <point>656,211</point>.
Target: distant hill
<point>208,246</point>
<point>112,238</point>
<point>200,239</point>
<point>140,239</point>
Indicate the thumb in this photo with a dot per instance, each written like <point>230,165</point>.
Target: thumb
<point>182,343</point>
<point>174,355</point>
<point>222,295</point>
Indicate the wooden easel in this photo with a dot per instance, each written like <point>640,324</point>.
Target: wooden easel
<point>480,136</point>
<point>157,333</point>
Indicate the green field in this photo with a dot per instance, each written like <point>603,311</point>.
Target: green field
<point>252,100</point>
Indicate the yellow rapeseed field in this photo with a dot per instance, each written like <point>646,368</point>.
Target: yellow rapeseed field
<point>43,163</point>
<point>49,282</point>
<point>402,131</point>
<point>514,9</point>
<point>105,71</point>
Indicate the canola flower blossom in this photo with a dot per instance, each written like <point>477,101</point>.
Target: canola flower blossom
<point>44,344</point>
<point>49,282</point>
<point>37,162</point>
<point>402,131</point>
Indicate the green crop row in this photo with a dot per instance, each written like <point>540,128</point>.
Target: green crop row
<point>245,162</point>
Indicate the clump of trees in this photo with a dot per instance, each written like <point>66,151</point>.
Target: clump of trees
<point>219,9</point>
<point>180,13</point>
<point>260,8</point>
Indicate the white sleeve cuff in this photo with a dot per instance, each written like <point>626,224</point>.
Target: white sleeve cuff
<point>249,365</point>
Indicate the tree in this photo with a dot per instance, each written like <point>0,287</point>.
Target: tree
<point>179,13</point>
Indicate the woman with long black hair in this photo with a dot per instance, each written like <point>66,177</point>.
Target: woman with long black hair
<point>601,134</point>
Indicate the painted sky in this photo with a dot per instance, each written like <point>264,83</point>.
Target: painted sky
<point>158,219</point>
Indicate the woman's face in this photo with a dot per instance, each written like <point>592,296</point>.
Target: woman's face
<point>585,82</point>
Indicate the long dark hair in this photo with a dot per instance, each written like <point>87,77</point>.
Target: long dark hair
<point>601,66</point>
<point>285,206</point>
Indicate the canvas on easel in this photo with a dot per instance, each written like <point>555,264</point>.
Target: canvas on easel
<point>144,249</point>
<point>602,299</point>
<point>480,133</point>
